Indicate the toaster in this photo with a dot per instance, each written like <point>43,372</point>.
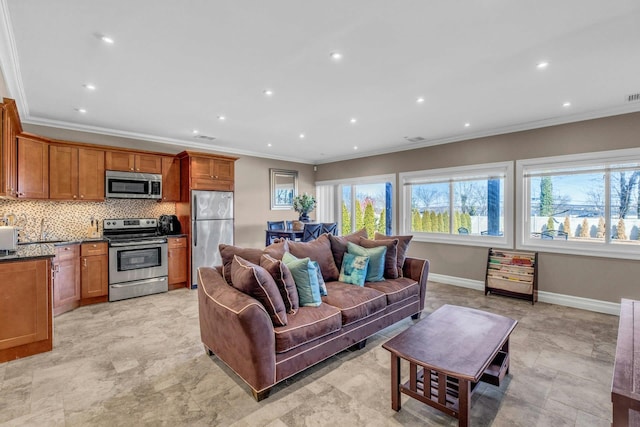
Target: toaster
<point>8,238</point>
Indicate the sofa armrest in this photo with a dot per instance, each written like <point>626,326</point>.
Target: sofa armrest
<point>237,328</point>
<point>418,270</point>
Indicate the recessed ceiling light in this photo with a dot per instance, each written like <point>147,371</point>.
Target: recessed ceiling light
<point>336,56</point>
<point>420,100</point>
<point>267,92</point>
<point>353,120</point>
<point>301,136</point>
<point>467,124</point>
<point>269,145</point>
<point>195,131</point>
<point>355,147</point>
<point>542,65</point>
<point>80,110</point>
<point>89,86</point>
<point>107,39</point>
<point>222,118</point>
<point>566,104</point>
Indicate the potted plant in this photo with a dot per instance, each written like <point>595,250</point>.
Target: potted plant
<point>303,204</point>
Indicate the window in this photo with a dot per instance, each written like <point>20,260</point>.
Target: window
<point>468,205</point>
<point>584,204</point>
<point>358,202</point>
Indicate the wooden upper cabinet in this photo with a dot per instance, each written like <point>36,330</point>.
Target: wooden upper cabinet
<point>170,179</point>
<point>211,173</point>
<point>10,128</point>
<point>76,173</point>
<point>131,162</point>
<point>33,168</point>
<point>91,174</point>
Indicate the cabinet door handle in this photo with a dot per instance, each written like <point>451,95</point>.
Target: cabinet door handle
<point>84,260</point>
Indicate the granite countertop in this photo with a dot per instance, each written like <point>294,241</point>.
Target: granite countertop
<point>34,250</point>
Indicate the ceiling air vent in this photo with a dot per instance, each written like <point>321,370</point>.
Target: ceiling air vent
<point>205,137</point>
<point>634,97</point>
<point>415,139</point>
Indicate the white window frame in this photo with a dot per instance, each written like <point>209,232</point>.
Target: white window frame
<point>560,163</point>
<point>499,168</point>
<point>336,194</point>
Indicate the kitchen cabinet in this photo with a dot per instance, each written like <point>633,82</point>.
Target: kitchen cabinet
<point>66,278</point>
<point>132,162</point>
<point>25,308</point>
<point>207,172</point>
<point>95,270</point>
<point>170,179</point>
<point>76,173</point>
<point>9,130</point>
<point>177,256</point>
<point>33,168</point>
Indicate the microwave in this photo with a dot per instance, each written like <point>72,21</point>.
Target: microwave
<point>132,185</point>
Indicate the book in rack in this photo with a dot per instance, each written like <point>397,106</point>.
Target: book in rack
<point>512,273</point>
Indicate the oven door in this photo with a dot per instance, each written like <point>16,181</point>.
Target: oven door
<point>137,261</point>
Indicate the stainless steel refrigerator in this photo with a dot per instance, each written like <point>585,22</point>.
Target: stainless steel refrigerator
<point>211,224</point>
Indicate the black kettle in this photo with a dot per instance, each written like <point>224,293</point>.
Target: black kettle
<point>168,224</point>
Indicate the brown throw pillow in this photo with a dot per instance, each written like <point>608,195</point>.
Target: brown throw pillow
<point>255,281</point>
<point>318,250</point>
<point>227,252</point>
<point>391,257</point>
<point>403,246</point>
<point>339,244</point>
<point>284,280</point>
<point>276,249</point>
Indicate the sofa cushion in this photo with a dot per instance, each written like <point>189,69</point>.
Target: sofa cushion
<point>307,324</point>
<point>339,244</point>
<point>354,269</point>
<point>390,258</point>
<point>321,284</point>
<point>396,289</point>
<point>354,302</point>
<point>375,269</point>
<point>318,250</point>
<point>284,281</point>
<point>255,281</point>
<point>305,275</point>
<point>227,252</point>
<point>403,246</point>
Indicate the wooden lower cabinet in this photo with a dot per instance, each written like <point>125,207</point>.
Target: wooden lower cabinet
<point>25,308</point>
<point>95,271</point>
<point>66,278</point>
<point>177,255</point>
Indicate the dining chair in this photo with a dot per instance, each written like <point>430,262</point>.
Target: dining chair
<point>289,225</point>
<point>330,227</point>
<point>311,232</point>
<point>273,225</point>
<point>463,230</point>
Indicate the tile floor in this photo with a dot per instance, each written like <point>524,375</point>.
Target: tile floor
<point>140,362</point>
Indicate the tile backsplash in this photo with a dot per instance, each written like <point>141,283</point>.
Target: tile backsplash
<point>69,220</point>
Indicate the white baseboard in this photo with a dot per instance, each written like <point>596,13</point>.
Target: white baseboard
<point>549,297</point>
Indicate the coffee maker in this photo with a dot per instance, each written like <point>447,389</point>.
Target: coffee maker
<point>168,224</point>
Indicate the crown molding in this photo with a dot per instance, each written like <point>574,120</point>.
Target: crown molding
<point>9,61</point>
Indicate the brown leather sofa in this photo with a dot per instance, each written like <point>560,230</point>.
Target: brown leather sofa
<point>237,329</point>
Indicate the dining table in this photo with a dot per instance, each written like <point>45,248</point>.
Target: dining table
<point>282,234</point>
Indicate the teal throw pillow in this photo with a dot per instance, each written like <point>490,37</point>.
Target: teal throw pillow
<point>375,270</point>
<point>321,284</point>
<point>305,274</point>
<point>354,269</point>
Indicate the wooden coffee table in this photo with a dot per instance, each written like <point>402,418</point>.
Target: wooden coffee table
<point>454,347</point>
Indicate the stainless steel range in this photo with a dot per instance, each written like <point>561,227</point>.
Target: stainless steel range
<point>137,258</point>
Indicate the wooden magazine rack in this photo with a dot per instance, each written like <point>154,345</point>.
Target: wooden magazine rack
<point>512,273</point>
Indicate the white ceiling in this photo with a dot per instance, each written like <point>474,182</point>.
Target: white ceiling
<point>176,66</point>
